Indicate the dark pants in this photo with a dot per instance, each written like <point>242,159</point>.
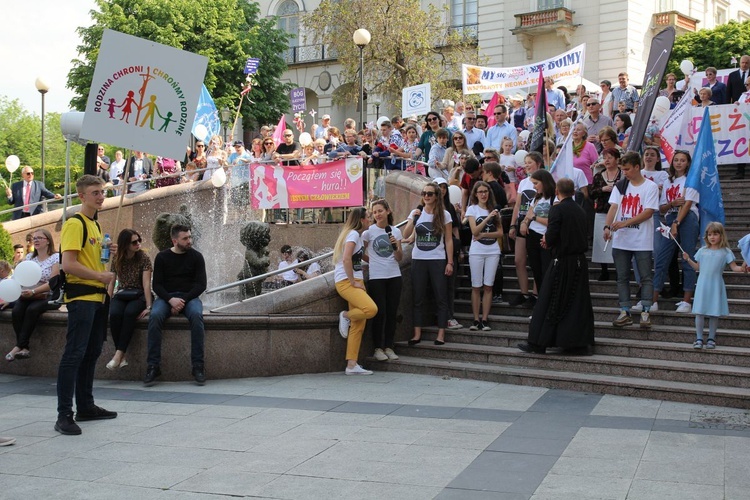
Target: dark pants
<point>539,257</point>
<point>87,322</point>
<point>160,311</point>
<point>122,317</point>
<point>386,293</point>
<point>25,315</point>
<point>425,275</point>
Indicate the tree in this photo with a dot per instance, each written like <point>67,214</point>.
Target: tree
<point>225,31</point>
<point>409,46</point>
<point>711,47</point>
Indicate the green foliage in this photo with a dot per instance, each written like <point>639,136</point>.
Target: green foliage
<point>225,31</point>
<point>409,46</point>
<point>6,245</point>
<point>711,47</point>
<point>55,182</point>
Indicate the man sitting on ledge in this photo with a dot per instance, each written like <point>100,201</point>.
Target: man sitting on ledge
<point>179,280</point>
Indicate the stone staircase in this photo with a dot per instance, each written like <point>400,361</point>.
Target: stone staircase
<point>656,363</point>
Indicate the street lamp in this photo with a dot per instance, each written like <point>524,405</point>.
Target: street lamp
<point>225,116</point>
<point>42,87</point>
<point>361,39</point>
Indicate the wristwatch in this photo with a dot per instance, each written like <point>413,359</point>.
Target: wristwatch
<point>607,227</point>
<point>533,218</point>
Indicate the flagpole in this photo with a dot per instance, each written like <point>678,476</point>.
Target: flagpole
<point>236,118</point>
<point>124,189</point>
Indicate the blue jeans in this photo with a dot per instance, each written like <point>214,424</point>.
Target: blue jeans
<point>87,323</point>
<point>687,234</point>
<point>160,311</point>
<point>622,260</point>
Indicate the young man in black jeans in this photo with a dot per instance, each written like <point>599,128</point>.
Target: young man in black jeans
<point>179,280</point>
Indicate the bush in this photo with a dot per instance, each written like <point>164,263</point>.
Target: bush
<point>6,245</point>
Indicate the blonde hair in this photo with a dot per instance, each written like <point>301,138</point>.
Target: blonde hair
<point>716,228</point>
<point>353,223</point>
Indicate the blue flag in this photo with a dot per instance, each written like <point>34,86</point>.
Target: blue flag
<point>703,176</point>
<point>207,115</point>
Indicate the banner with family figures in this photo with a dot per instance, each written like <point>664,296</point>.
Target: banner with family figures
<point>481,79</point>
<point>730,125</point>
<point>333,184</point>
<point>143,95</point>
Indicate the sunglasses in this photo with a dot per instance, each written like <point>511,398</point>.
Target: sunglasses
<point>267,143</point>
<point>427,194</point>
<point>136,242</point>
<point>28,173</point>
<point>200,145</point>
<point>470,119</point>
<point>498,114</point>
<point>591,103</point>
<point>432,119</point>
<point>458,138</point>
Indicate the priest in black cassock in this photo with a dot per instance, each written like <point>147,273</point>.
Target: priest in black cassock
<point>563,316</point>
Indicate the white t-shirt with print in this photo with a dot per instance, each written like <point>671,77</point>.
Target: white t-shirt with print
<point>428,246</point>
<point>636,200</point>
<point>659,177</point>
<point>676,188</point>
<point>527,193</point>
<point>339,274</point>
<point>483,246</point>
<point>383,264</point>
<point>541,209</point>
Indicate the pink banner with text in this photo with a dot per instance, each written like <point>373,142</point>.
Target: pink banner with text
<point>333,184</point>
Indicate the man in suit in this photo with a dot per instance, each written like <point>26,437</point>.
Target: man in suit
<point>139,168</point>
<point>735,88</point>
<point>26,192</point>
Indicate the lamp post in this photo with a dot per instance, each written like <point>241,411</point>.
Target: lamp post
<point>42,87</point>
<point>361,38</point>
<point>225,116</point>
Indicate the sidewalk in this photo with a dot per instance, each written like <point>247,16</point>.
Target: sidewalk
<point>388,436</point>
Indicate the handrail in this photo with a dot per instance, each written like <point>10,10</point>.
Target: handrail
<point>279,271</point>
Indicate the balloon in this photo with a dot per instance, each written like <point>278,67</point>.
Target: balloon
<point>661,107</point>
<point>218,178</point>
<point>201,132</point>
<point>10,290</point>
<point>12,163</point>
<point>454,192</point>
<point>520,156</point>
<point>524,135</point>
<point>305,138</point>
<point>27,273</point>
<point>383,119</point>
<point>686,66</point>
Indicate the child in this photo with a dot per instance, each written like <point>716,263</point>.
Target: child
<point>710,293</point>
<point>437,152</point>
<point>508,160</point>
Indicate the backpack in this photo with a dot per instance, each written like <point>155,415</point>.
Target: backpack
<point>59,286</point>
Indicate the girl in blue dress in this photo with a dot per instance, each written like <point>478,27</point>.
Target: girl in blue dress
<point>710,293</point>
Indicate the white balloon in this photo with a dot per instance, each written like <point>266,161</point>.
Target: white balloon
<point>12,163</point>
<point>27,273</point>
<point>10,290</point>
<point>661,107</point>
<point>454,192</point>
<point>382,119</point>
<point>305,138</point>
<point>201,132</point>
<point>520,156</point>
<point>686,66</point>
<point>524,135</point>
<point>218,178</point>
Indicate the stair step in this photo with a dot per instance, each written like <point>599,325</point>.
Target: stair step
<point>596,383</point>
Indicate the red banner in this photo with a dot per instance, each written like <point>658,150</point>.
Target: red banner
<point>333,184</point>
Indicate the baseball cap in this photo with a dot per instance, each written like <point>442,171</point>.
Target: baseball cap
<point>439,181</point>
<point>326,117</point>
<point>238,143</point>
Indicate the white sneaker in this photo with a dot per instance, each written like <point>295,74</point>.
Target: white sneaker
<point>638,307</point>
<point>654,307</point>
<point>391,355</point>
<point>454,325</point>
<point>684,307</point>
<point>357,370</point>
<point>112,365</point>
<point>380,355</point>
<point>344,325</point>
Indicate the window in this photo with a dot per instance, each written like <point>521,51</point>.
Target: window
<point>288,14</point>
<point>549,4</point>
<point>464,19</point>
<point>721,16</point>
<point>665,5</point>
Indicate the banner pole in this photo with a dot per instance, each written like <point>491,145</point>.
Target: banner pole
<point>123,191</point>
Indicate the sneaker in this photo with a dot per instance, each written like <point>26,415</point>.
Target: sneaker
<point>391,355</point>
<point>380,355</point>
<point>654,307</point>
<point>357,370</point>
<point>344,323</point>
<point>497,299</point>
<point>486,326</point>
<point>711,344</point>
<point>645,320</point>
<point>66,425</point>
<point>698,344</point>
<point>475,326</point>
<point>454,325</point>
<point>638,307</point>
<point>519,300</point>
<point>684,307</point>
<point>199,374</point>
<point>7,441</point>
<point>152,372</point>
<point>95,413</point>
<point>623,319</point>
<point>531,302</point>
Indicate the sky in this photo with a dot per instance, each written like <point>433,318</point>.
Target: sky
<point>40,40</point>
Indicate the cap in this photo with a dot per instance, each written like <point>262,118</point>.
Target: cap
<point>517,97</point>
<point>326,117</point>
<point>238,143</point>
<point>412,118</point>
<point>439,181</point>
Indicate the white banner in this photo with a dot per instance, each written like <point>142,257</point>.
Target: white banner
<point>416,100</point>
<point>481,79</point>
<point>143,95</point>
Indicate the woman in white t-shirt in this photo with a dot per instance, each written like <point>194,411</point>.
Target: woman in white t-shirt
<point>309,272</point>
<point>484,252</point>
<point>526,194</point>
<point>116,169</point>
<point>681,213</point>
<point>383,245</point>
<point>348,254</point>
<point>534,224</point>
<point>431,258</point>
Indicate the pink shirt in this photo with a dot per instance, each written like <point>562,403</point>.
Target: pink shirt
<point>588,157</point>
